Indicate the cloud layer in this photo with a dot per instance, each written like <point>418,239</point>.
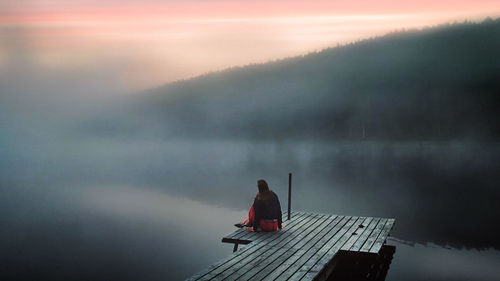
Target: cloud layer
<point>149,43</point>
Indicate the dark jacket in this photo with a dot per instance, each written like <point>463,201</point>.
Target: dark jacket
<point>267,209</point>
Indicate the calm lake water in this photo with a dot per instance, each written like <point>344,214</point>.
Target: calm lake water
<point>78,208</point>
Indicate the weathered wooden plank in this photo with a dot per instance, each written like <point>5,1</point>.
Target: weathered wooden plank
<point>299,257</point>
<point>258,242</point>
<point>373,236</point>
<point>362,239</point>
<point>268,254</point>
<point>356,235</point>
<point>382,236</point>
<point>237,233</point>
<point>327,252</point>
<point>256,245</point>
<point>261,239</point>
<point>247,254</point>
<point>283,253</point>
<point>255,258</point>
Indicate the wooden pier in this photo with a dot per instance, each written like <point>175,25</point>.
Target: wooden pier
<point>305,249</point>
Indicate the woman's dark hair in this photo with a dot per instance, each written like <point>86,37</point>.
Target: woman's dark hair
<point>264,192</point>
<point>262,185</point>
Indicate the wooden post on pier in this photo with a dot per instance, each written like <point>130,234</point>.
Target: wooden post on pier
<point>289,194</point>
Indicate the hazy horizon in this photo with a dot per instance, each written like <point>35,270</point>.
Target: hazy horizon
<point>138,45</point>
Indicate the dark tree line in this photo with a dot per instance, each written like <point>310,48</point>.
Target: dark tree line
<point>434,84</point>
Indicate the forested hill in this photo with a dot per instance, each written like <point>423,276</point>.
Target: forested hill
<point>440,83</point>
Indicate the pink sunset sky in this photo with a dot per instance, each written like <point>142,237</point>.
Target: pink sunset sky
<point>146,43</point>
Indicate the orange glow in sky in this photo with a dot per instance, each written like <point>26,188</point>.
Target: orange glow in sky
<point>152,42</point>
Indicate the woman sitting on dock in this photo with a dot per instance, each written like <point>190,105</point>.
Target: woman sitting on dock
<point>265,213</point>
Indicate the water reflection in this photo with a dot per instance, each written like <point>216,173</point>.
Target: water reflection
<point>434,262</point>
<point>113,233</point>
<point>150,209</point>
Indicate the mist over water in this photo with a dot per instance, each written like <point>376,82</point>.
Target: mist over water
<point>79,206</point>
<point>110,209</point>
